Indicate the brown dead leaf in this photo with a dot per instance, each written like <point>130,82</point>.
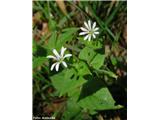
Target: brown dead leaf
<point>55,106</point>
<point>119,72</point>
<point>107,50</point>
<point>45,29</point>
<point>36,18</point>
<point>62,6</point>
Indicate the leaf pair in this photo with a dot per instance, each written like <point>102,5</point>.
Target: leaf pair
<point>94,59</point>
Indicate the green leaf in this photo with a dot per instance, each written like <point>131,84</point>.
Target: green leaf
<point>94,59</point>
<point>66,81</point>
<point>66,36</point>
<point>72,110</point>
<point>107,72</point>
<point>52,24</point>
<point>82,68</point>
<point>34,47</point>
<point>64,19</point>
<point>71,29</point>
<point>95,96</point>
<point>87,54</point>
<point>111,74</point>
<point>52,41</point>
<point>39,61</point>
<point>57,42</point>
<point>98,61</point>
<point>113,60</point>
<point>100,100</point>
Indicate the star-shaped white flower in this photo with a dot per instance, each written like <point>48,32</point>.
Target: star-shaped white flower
<point>59,58</point>
<point>90,31</point>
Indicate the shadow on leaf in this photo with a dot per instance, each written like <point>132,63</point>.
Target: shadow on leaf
<point>90,87</point>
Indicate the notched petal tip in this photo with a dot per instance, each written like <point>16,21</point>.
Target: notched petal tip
<point>89,24</point>
<point>67,55</point>
<point>96,32</point>
<point>83,33</point>
<point>94,36</point>
<point>86,25</point>
<point>94,25</point>
<point>57,67</point>
<point>83,29</point>
<point>53,65</point>
<point>64,64</point>
<point>63,49</point>
<point>97,28</point>
<point>56,53</point>
<point>49,56</point>
<point>86,37</point>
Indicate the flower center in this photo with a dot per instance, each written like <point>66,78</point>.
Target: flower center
<point>91,32</point>
<point>61,59</point>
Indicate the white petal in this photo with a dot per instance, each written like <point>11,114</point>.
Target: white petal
<point>51,56</point>
<point>83,29</point>
<point>85,38</point>
<point>96,32</point>
<point>64,63</point>
<point>56,53</point>
<point>89,24</point>
<point>89,38</point>
<point>94,25</point>
<point>94,36</point>
<point>57,66</point>
<point>52,67</point>
<point>86,25</point>
<point>96,29</point>
<point>83,33</point>
<point>62,51</point>
<point>67,55</point>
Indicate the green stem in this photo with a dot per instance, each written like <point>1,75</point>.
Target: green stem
<point>109,73</point>
<point>73,48</point>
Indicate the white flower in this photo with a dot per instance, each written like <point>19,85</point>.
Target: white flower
<point>59,58</point>
<point>89,31</point>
